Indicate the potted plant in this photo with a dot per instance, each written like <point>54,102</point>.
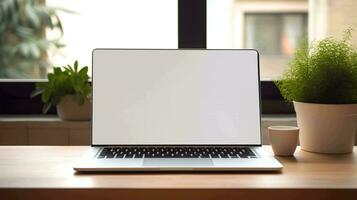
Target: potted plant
<point>69,90</point>
<point>322,84</point>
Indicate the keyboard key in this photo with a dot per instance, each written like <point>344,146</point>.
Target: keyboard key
<point>110,155</point>
<point>233,156</point>
<point>129,156</point>
<point>119,156</point>
<point>138,156</point>
<point>244,156</point>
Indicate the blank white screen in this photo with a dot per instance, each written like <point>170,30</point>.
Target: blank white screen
<point>175,97</point>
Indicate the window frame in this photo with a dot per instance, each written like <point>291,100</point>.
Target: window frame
<point>192,33</point>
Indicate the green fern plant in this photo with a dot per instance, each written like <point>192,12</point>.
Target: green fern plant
<point>23,42</point>
<point>67,81</point>
<point>325,73</point>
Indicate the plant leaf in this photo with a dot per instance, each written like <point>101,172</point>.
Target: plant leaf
<point>46,107</point>
<point>31,15</point>
<point>76,66</point>
<point>46,95</point>
<point>83,72</point>
<point>36,92</point>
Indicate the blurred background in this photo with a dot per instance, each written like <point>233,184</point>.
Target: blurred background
<point>36,35</point>
<point>276,27</point>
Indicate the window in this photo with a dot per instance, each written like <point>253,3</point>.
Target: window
<point>224,24</point>
<point>273,27</point>
<point>114,24</point>
<point>276,36</point>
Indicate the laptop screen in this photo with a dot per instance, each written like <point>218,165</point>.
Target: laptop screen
<point>173,97</point>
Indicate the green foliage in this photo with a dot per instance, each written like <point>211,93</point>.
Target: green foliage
<point>69,81</point>
<point>23,43</point>
<point>325,73</point>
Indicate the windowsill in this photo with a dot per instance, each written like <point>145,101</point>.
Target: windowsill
<point>41,120</point>
<point>29,118</point>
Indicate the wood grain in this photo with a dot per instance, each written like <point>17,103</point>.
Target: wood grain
<point>48,170</point>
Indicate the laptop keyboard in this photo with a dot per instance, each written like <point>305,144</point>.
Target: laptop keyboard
<point>176,152</point>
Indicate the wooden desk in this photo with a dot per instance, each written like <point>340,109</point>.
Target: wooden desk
<point>40,172</point>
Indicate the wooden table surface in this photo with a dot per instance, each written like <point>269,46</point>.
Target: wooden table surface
<point>41,172</point>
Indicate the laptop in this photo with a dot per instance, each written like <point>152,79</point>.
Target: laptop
<point>174,109</point>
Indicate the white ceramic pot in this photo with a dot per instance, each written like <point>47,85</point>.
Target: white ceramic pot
<point>68,109</point>
<point>326,128</point>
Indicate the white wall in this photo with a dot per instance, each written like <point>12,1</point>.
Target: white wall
<point>331,17</point>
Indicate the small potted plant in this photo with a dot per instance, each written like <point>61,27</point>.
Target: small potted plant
<point>322,84</point>
<point>69,90</point>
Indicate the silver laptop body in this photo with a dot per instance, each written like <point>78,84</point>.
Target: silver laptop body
<point>178,110</point>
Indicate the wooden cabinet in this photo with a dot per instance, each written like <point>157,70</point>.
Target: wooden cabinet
<point>47,130</point>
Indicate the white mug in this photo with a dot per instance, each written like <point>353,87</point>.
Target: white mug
<point>283,139</point>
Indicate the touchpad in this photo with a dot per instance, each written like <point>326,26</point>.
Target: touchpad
<point>179,162</point>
